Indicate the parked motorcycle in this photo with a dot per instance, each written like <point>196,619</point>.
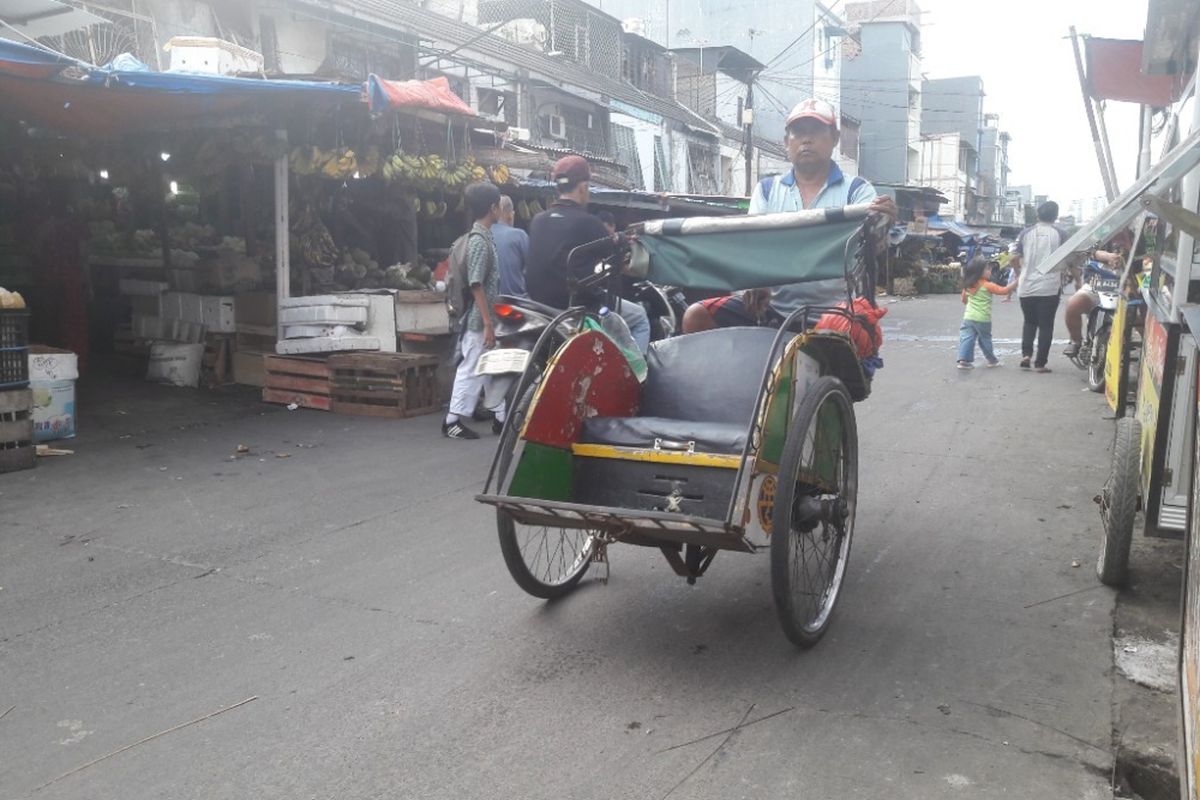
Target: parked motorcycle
<point>1094,350</point>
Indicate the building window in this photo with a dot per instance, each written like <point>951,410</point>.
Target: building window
<point>625,145</point>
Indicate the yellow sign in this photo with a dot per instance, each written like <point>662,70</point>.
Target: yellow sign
<point>766,503</point>
<point>1154,357</point>
<point>1115,355</point>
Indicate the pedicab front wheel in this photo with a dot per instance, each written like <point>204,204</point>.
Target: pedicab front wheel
<point>813,520</point>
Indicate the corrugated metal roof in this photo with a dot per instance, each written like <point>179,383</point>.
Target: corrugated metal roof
<point>433,26</point>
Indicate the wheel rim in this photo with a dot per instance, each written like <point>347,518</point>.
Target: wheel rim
<point>818,556</point>
<point>554,556</point>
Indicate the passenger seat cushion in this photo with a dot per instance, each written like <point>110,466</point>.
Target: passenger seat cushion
<point>712,376</point>
<point>640,432</point>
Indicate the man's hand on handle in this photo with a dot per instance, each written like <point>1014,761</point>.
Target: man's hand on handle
<point>885,205</point>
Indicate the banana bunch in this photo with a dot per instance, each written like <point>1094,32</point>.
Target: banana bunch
<point>500,174</point>
<point>461,175</point>
<point>401,166</point>
<point>317,247</point>
<point>342,164</point>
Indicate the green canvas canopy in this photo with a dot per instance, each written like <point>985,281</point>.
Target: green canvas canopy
<point>730,254</point>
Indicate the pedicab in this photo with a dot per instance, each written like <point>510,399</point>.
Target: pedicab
<point>735,439</point>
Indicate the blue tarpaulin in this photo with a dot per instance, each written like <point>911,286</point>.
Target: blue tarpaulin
<point>936,223</point>
<point>108,102</point>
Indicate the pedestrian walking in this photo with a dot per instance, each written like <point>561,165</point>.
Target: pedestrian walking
<point>976,326</point>
<point>512,245</point>
<point>479,332</point>
<point>1040,284</point>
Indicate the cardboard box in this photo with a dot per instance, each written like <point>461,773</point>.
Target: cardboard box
<point>214,312</point>
<point>53,409</point>
<point>51,364</point>
<point>249,368</point>
<point>256,308</point>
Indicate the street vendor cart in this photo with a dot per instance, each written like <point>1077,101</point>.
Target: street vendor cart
<point>1151,464</point>
<point>738,439</point>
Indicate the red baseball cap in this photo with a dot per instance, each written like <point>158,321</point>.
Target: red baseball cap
<point>813,109</point>
<point>570,170</point>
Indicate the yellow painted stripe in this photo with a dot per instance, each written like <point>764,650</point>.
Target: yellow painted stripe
<point>719,461</point>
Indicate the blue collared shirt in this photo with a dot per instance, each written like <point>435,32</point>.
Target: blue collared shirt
<point>780,194</point>
<point>512,245</point>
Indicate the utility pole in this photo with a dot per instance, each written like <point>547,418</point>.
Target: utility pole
<point>1101,156</point>
<point>748,125</point>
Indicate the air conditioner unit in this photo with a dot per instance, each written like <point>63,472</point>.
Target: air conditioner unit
<point>557,126</point>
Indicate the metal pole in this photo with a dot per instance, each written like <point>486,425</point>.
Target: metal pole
<point>1108,159</point>
<point>748,124</point>
<point>1091,116</point>
<point>1185,254</point>
<point>282,254</point>
<point>1144,137</point>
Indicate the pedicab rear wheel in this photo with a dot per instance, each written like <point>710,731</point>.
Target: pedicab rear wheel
<point>814,511</point>
<point>546,562</point>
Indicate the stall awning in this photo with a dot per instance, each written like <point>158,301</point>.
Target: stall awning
<point>938,225</point>
<point>432,95</point>
<point>108,102</point>
<point>1114,72</point>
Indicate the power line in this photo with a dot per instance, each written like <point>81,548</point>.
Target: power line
<point>833,47</point>
<point>797,40</point>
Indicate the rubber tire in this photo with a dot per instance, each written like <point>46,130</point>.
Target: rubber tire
<point>506,528</point>
<point>1095,379</point>
<point>781,588</point>
<point>1112,567</point>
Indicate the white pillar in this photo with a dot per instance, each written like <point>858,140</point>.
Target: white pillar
<point>282,249</point>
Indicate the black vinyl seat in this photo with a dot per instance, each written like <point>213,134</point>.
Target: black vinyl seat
<point>700,387</point>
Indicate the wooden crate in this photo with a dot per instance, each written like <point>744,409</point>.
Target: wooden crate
<point>17,450</point>
<point>303,380</point>
<point>383,384</point>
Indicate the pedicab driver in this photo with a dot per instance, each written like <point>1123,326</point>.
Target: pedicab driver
<point>815,181</point>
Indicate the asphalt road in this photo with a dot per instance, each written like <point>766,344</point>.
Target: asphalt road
<point>356,591</point>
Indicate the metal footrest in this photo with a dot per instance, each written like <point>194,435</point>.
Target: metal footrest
<point>633,525</point>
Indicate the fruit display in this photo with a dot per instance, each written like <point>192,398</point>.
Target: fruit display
<point>408,277</point>
<point>338,164</point>
<point>11,300</point>
<point>433,173</point>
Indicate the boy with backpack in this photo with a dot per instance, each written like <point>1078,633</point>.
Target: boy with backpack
<point>473,285</point>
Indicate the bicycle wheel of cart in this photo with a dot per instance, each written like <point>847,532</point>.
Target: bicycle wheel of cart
<point>814,511</point>
<point>1096,361</point>
<point>1118,503</point>
<point>545,561</point>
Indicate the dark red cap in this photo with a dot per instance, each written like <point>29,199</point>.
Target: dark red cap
<point>570,170</point>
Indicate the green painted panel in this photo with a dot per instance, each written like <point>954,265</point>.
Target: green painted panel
<point>775,429</point>
<point>544,473</point>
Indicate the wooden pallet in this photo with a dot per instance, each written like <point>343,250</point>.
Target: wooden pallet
<point>16,431</point>
<point>303,380</point>
<point>392,385</point>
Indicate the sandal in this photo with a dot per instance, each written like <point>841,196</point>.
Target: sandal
<point>1041,369</point>
<point>1025,363</point>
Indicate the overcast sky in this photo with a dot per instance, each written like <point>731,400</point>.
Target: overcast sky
<point>1029,76</point>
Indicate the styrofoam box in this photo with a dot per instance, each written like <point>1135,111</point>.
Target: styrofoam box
<point>323,315</point>
<point>53,409</point>
<point>432,318</point>
<point>51,364</point>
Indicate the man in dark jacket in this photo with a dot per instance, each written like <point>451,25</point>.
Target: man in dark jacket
<point>558,230</point>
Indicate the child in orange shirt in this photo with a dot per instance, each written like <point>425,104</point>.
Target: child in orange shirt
<point>977,319</point>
